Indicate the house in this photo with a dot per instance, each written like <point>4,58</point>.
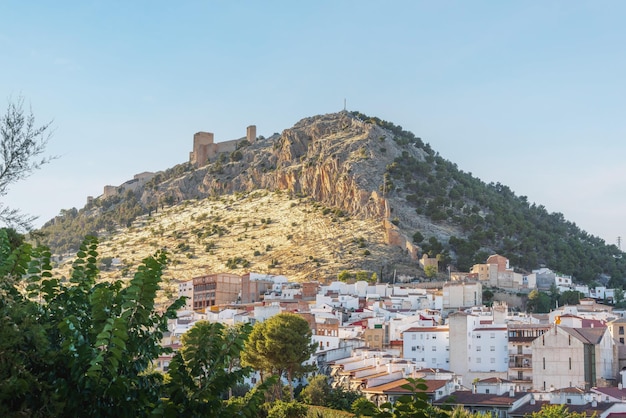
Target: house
<point>391,391</point>
<point>491,404</point>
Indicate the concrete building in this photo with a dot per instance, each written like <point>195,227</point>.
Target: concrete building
<point>462,295</point>
<point>574,357</point>
<point>215,289</point>
<point>521,337</point>
<point>478,347</point>
<point>429,347</point>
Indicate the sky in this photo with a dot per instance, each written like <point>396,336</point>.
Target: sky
<point>529,94</point>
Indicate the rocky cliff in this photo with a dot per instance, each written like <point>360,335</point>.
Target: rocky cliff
<point>337,159</point>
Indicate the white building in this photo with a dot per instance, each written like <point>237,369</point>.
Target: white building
<point>427,346</point>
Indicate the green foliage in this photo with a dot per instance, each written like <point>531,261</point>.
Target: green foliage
<point>569,297</point>
<point>538,302</point>
<point>204,369</point>
<point>280,345</point>
<point>345,276</point>
<point>418,237</point>
<point>430,271</point>
<point>317,391</point>
<point>363,408</point>
<point>557,411</point>
<point>492,217</point>
<point>96,341</point>
<point>282,409</point>
<point>84,345</point>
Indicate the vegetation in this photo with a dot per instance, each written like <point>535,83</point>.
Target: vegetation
<point>493,218</point>
<point>488,218</point>
<point>279,346</point>
<point>70,346</point>
<point>21,145</point>
<point>557,411</point>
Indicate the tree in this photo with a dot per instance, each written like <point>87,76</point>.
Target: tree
<point>619,295</point>
<point>317,391</point>
<point>487,295</point>
<point>202,373</point>
<point>282,409</point>
<point>363,408</point>
<point>21,145</point>
<point>569,297</point>
<point>280,345</point>
<point>557,411</point>
<point>538,302</point>
<point>85,345</point>
<point>430,271</point>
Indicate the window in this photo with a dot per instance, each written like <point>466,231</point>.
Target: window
<point>434,348</point>
<point>413,348</point>
<point>621,340</point>
<point>434,361</point>
<point>492,348</point>
<point>487,391</point>
<point>570,363</point>
<point>478,360</point>
<point>477,335</point>
<point>478,348</point>
<point>413,336</point>
<point>621,331</point>
<point>493,360</point>
<point>493,335</point>
<point>544,363</point>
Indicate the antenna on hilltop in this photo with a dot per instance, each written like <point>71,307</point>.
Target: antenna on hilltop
<point>619,243</point>
<point>344,104</point>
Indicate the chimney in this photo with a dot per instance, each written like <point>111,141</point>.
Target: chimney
<point>594,403</point>
<point>532,400</point>
<point>511,393</point>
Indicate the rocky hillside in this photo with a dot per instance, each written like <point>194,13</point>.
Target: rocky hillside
<point>350,166</point>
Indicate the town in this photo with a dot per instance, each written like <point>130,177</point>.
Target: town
<point>371,337</point>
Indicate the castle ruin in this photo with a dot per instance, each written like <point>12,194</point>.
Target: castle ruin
<point>204,147</point>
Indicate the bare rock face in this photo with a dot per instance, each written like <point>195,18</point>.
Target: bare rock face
<point>336,159</point>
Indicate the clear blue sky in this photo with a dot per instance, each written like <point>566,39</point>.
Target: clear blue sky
<point>529,94</point>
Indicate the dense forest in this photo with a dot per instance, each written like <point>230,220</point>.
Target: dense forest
<point>491,218</point>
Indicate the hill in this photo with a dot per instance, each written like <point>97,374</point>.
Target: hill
<point>345,168</point>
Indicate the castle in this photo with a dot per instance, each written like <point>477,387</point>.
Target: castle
<point>204,147</point>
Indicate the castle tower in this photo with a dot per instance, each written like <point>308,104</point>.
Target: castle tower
<point>251,133</point>
<point>202,142</point>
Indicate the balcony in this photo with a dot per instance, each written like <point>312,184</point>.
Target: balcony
<point>521,363</point>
